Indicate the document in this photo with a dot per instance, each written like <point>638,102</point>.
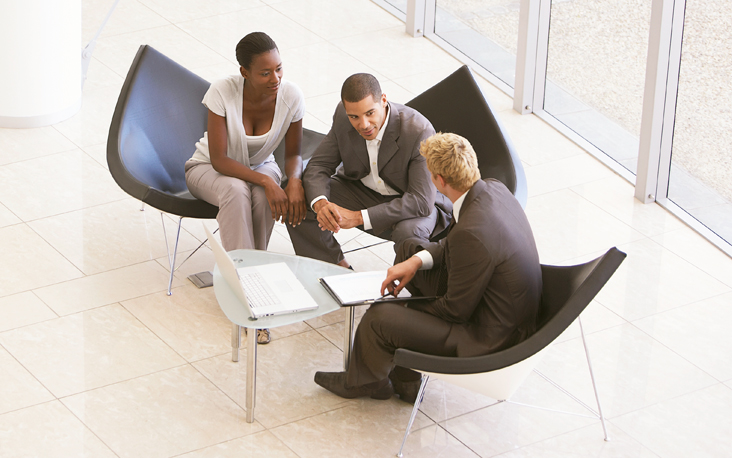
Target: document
<point>361,288</point>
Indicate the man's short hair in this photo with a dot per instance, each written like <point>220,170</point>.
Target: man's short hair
<point>452,157</point>
<point>359,86</point>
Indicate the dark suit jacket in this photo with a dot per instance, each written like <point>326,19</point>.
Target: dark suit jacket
<point>343,152</point>
<point>494,277</point>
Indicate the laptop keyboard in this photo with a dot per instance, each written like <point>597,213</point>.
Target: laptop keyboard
<point>258,293</point>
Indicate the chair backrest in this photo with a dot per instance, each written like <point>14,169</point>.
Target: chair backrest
<point>566,293</point>
<point>456,104</point>
<point>157,121</point>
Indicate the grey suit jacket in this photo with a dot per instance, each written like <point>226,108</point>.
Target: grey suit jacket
<point>494,276</point>
<point>343,152</point>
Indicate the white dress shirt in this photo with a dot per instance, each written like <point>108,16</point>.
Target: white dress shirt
<point>372,180</point>
<point>424,255</point>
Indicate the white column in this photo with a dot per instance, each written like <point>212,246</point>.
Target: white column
<point>40,61</point>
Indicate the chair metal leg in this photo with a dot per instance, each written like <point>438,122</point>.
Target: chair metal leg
<point>171,261</point>
<point>348,336</point>
<point>415,409</point>
<point>592,376</point>
<point>235,341</point>
<point>251,373</point>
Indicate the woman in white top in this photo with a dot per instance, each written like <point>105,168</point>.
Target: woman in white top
<point>234,167</point>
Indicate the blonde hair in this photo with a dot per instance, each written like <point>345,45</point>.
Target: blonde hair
<point>452,157</point>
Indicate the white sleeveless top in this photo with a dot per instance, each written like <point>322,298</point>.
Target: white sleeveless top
<point>225,98</point>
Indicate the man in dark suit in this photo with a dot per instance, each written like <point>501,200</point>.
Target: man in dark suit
<point>485,275</point>
<point>368,173</point>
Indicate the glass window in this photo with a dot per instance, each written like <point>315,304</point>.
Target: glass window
<point>401,5</point>
<point>596,66</point>
<point>484,30</point>
<point>700,179</point>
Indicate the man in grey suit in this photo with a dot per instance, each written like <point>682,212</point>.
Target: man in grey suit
<point>368,173</point>
<point>485,276</point>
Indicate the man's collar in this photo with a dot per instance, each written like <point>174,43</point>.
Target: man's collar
<point>457,205</point>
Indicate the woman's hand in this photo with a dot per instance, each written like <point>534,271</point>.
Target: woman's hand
<point>296,201</point>
<point>277,199</point>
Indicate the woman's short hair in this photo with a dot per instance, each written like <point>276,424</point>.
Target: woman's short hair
<point>251,45</point>
<point>452,157</point>
<point>359,86</point>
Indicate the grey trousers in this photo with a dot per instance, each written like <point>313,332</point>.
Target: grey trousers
<point>309,241</point>
<point>388,326</point>
<point>245,218</point>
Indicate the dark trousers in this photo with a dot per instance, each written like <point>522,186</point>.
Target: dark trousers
<point>388,326</point>
<point>310,241</point>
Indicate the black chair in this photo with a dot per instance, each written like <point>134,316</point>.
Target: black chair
<point>567,291</point>
<point>157,121</point>
<point>456,104</point>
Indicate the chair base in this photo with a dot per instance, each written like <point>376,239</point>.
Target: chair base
<point>448,378</point>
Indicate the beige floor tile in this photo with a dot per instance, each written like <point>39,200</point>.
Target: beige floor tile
<point>106,288</point>
<point>221,33</point>
<point>252,446</point>
<point>652,279</point>
<point>88,350</point>
<point>48,430</point>
<point>178,11</point>
<point>160,415</point>
<point>444,400</point>
<point>364,428</point>
<point>18,388</point>
<point>420,82</point>
<point>329,20</point>
<point>30,262</point>
<point>117,52</point>
<point>190,321</point>
<point>406,56</point>
<point>499,100</point>
<point>23,144</point>
<point>536,142</point>
<point>110,236</point>
<point>563,173</point>
<point>567,226</point>
<point>128,17</point>
<point>430,442</point>
<point>7,218</point>
<point>585,442</point>
<point>313,79</point>
<point>98,153</point>
<point>698,332</point>
<point>22,310</point>
<point>695,249</point>
<point>595,317</point>
<point>504,427</point>
<point>632,370</point>
<point>693,425</point>
<point>55,184</point>
<point>616,196</point>
<point>285,369</point>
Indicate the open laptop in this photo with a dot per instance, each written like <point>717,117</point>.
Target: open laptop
<point>268,289</point>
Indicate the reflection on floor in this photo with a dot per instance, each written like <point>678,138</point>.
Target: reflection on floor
<point>97,361</point>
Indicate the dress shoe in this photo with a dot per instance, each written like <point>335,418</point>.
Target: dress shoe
<point>407,391</point>
<point>335,382</point>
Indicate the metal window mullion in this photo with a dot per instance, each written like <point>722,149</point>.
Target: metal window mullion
<point>654,99</point>
<point>415,21</point>
<point>430,16</point>
<point>531,55</point>
<point>672,89</point>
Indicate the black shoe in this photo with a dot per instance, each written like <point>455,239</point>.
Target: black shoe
<point>407,391</point>
<point>335,382</point>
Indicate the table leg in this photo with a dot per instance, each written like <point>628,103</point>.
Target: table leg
<point>251,373</point>
<point>348,336</point>
<point>235,341</point>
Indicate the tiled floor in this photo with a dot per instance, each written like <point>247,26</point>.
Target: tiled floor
<point>97,361</point>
